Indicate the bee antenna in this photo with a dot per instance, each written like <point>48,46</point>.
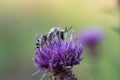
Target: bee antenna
<point>68,29</point>
<point>65,29</point>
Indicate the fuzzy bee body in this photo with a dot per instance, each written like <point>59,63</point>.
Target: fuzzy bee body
<point>55,33</point>
<point>41,40</point>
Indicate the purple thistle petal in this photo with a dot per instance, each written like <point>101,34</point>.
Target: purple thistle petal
<point>42,78</point>
<point>35,73</point>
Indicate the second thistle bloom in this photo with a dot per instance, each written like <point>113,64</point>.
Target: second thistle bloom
<point>91,38</point>
<point>58,56</point>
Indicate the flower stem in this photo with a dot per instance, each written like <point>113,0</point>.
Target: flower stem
<point>67,75</point>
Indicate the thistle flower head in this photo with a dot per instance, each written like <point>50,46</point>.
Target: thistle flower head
<point>91,36</point>
<point>59,56</point>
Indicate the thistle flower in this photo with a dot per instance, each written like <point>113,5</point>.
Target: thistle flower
<point>92,37</point>
<point>58,58</point>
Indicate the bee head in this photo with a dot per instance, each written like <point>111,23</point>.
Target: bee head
<point>62,34</point>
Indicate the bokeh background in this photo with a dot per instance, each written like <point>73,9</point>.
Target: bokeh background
<point>20,20</point>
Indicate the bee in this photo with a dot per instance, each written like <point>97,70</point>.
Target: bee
<point>58,33</point>
<point>55,33</point>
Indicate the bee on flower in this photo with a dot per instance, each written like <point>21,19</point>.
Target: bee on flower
<point>57,55</point>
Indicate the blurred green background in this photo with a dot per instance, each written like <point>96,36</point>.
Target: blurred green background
<point>20,20</point>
